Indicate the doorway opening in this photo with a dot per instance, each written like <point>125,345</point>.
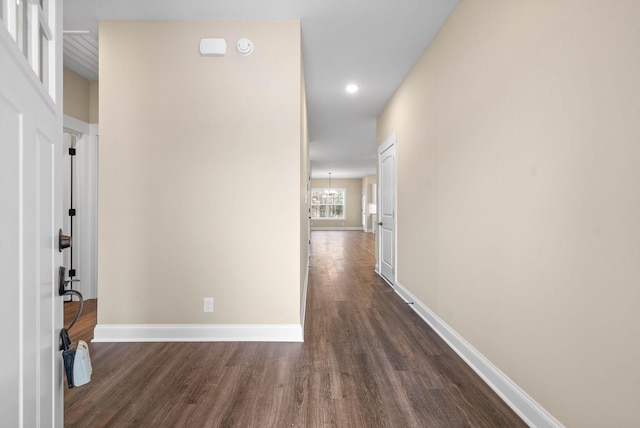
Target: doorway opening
<point>80,205</point>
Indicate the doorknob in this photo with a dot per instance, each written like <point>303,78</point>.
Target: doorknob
<point>380,224</point>
<point>64,241</point>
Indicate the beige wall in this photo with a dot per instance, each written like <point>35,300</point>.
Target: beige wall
<point>76,95</point>
<point>354,201</point>
<point>518,200</point>
<point>198,155</point>
<point>93,101</point>
<point>80,97</point>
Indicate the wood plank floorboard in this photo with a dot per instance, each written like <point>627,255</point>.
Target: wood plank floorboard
<point>367,361</point>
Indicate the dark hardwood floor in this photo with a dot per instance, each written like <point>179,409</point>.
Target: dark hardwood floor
<point>367,361</point>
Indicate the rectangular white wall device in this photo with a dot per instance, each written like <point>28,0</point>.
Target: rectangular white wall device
<point>213,47</point>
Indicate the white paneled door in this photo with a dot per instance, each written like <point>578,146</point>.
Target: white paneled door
<point>31,195</point>
<point>387,209</point>
<point>364,210</point>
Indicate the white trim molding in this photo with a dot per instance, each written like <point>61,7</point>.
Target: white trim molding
<point>198,333</point>
<point>359,228</point>
<point>526,407</point>
<point>303,303</point>
<point>75,125</point>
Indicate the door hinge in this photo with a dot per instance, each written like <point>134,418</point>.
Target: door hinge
<point>72,212</point>
<point>72,151</point>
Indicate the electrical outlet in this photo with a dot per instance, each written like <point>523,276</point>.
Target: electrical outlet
<point>208,304</point>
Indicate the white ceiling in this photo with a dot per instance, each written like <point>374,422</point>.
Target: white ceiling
<point>373,43</point>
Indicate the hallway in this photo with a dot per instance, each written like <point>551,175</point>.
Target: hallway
<point>367,361</point>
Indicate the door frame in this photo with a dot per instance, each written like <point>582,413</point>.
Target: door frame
<point>86,200</point>
<point>391,141</point>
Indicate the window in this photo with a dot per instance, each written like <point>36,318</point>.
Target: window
<point>31,23</point>
<point>328,204</point>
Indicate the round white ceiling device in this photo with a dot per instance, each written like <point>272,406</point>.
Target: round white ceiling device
<point>244,46</point>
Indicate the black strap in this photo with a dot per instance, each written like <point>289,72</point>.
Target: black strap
<point>81,299</point>
<point>65,341</point>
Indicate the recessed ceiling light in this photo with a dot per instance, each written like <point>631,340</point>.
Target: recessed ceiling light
<point>352,88</point>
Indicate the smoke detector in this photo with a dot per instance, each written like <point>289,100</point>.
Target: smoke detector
<point>244,46</point>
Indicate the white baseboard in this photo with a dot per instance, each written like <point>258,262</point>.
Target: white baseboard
<point>198,333</point>
<point>336,228</point>
<point>526,407</point>
<point>303,303</point>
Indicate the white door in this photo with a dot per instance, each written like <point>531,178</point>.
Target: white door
<point>364,210</point>
<point>30,213</point>
<point>387,209</point>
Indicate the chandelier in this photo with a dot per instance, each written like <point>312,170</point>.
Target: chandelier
<point>329,191</point>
